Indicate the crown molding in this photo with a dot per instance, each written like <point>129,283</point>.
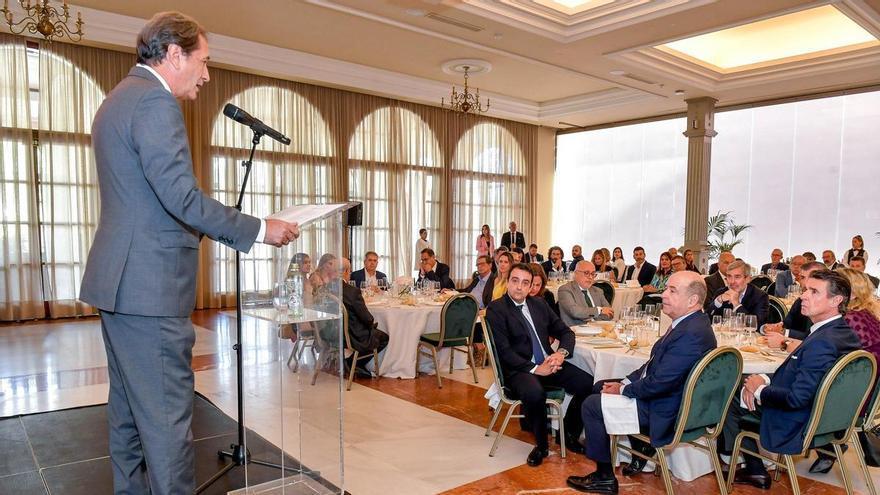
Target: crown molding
<point>566,28</point>
<point>650,59</point>
<point>107,28</point>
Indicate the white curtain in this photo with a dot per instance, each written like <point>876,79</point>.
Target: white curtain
<point>20,285</point>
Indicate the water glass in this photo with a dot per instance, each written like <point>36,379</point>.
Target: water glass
<point>383,284</point>
<point>751,326</point>
<point>280,298</point>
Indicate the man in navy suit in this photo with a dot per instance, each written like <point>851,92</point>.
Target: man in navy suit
<point>789,277</point>
<point>431,269</point>
<point>783,403</point>
<point>741,296</point>
<point>533,256</point>
<point>641,270</point>
<point>521,328</point>
<point>657,386</point>
<point>368,273</point>
<point>796,326</point>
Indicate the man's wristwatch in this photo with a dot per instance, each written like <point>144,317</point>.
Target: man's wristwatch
<point>784,344</point>
<point>564,352</point>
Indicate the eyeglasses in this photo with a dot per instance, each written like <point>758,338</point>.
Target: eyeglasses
<point>586,274</point>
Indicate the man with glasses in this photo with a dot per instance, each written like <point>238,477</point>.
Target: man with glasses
<point>521,328</point>
<point>433,270</point>
<point>579,301</point>
<point>775,262</point>
<point>483,281</point>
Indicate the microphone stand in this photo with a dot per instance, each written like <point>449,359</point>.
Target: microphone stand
<point>238,453</point>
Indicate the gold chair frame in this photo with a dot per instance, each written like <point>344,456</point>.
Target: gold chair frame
<point>786,461</point>
<point>681,421</point>
<point>513,404</point>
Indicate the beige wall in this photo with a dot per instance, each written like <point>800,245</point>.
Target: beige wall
<point>544,189</point>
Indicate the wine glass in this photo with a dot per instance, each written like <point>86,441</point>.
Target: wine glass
<point>383,284</point>
<point>751,326</point>
<point>280,298</point>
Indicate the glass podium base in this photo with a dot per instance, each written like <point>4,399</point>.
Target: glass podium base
<point>299,484</point>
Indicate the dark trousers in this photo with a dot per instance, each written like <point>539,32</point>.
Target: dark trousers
<point>598,443</point>
<point>150,404</point>
<point>732,428</point>
<point>529,389</point>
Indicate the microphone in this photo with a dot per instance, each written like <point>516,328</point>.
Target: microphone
<point>242,117</point>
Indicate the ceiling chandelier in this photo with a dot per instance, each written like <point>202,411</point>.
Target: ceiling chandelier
<point>465,102</point>
<point>44,19</point>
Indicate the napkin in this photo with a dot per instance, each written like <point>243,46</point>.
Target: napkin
<point>620,414</point>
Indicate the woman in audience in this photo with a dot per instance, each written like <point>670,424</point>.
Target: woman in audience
<point>858,249</point>
<point>602,266</point>
<point>421,243</point>
<point>661,277</point>
<point>863,311</point>
<point>619,263</point>
<point>539,287</point>
<point>485,242</point>
<point>504,262</point>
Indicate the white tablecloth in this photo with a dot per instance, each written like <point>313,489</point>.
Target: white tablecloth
<point>623,297</point>
<point>404,325</point>
<point>686,462</point>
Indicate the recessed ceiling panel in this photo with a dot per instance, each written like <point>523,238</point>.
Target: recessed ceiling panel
<point>818,31</point>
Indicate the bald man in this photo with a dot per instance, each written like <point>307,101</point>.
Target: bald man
<point>717,280</point>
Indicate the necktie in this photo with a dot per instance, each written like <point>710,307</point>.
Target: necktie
<point>587,298</point>
<point>537,350</point>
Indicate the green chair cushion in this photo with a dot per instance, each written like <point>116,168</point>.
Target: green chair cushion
<point>434,340</point>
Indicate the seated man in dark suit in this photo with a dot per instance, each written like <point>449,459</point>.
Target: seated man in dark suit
<point>786,279</point>
<point>554,263</point>
<point>716,281</point>
<point>740,295</point>
<point>783,403</point>
<point>796,326</point>
<point>657,386</point>
<point>368,273</point>
<point>858,263</point>
<point>577,255</point>
<point>641,270</point>
<point>431,269</point>
<point>522,327</point>
<point>533,256</point>
<point>482,282</point>
<point>362,328</point>
<point>513,238</point>
<point>775,262</point>
<point>830,260</point>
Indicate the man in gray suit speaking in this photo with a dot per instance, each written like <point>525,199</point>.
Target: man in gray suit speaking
<point>141,270</point>
<point>579,301</point>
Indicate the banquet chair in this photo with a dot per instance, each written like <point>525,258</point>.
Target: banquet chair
<point>762,282</point>
<point>709,388</point>
<point>355,354</point>
<point>555,397</point>
<point>457,321</point>
<point>305,338</point>
<point>778,310</point>
<point>866,422</point>
<point>607,290</point>
<point>836,408</point>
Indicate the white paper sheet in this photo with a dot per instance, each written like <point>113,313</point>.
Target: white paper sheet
<point>305,214</point>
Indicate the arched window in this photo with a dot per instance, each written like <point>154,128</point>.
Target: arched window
<point>488,187</point>
<point>281,175</point>
<point>395,171</point>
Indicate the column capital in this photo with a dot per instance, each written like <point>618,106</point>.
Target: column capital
<point>701,117</point>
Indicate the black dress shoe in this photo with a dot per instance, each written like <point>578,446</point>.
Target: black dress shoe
<point>822,465</point>
<point>593,483</point>
<point>759,480</point>
<point>573,444</point>
<point>536,456</point>
<point>635,466</point>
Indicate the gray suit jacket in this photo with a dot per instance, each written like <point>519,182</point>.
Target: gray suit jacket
<point>145,254</point>
<point>573,308</point>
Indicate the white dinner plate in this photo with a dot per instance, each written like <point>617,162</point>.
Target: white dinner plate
<point>586,330</point>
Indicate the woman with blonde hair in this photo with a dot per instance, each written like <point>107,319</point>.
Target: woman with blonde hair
<point>504,262</point>
<point>863,311</point>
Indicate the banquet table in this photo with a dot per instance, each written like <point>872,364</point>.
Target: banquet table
<point>624,297</point>
<point>404,326</point>
<point>595,357</point>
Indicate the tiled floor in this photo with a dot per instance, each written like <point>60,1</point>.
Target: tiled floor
<point>401,436</point>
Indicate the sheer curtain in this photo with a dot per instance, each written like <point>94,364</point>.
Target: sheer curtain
<point>281,175</point>
<point>20,286</point>
<point>73,83</point>
<point>488,186</point>
<point>624,186</point>
<point>395,166</point>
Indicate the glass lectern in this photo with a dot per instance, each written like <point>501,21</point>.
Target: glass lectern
<point>293,362</point>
